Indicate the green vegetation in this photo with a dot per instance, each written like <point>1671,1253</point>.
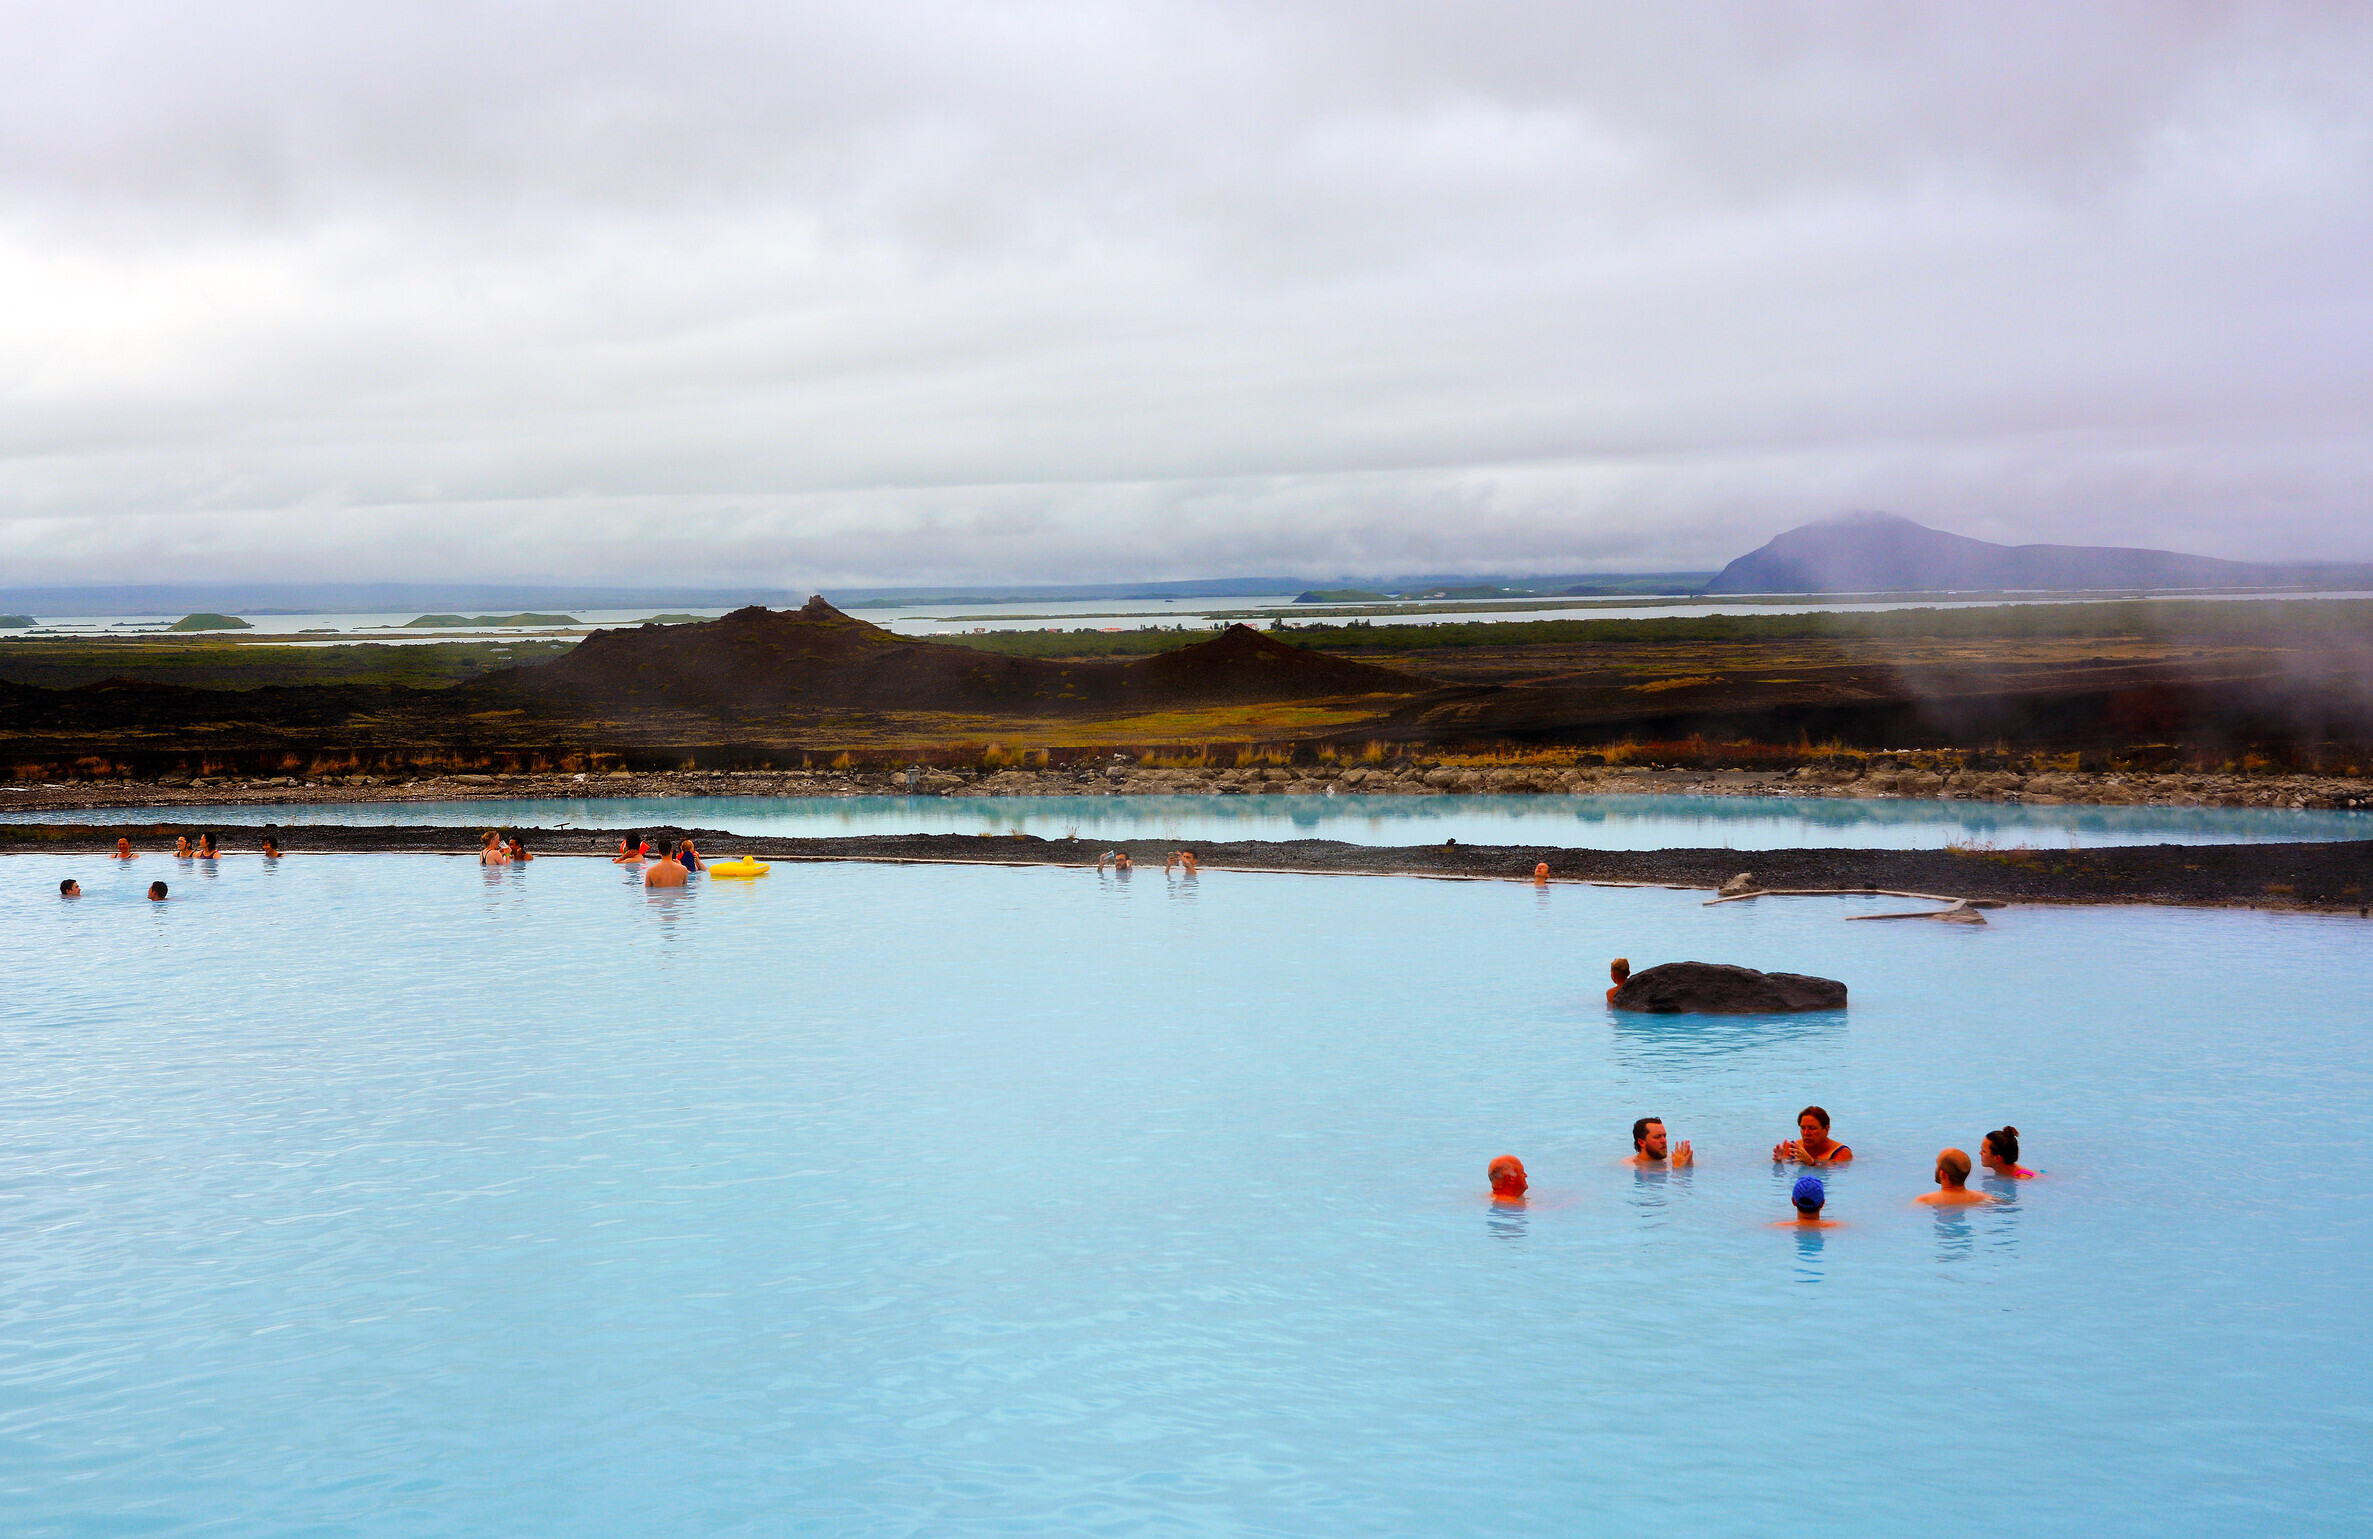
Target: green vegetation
<point>209,622</point>
<point>2271,622</point>
<point>15,622</point>
<point>1339,596</point>
<point>677,620</point>
<point>67,662</point>
<point>2274,622</point>
<point>482,622</point>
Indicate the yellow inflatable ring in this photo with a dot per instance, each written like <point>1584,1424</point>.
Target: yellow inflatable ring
<point>741,865</point>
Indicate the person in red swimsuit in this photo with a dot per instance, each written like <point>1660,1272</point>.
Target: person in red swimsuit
<point>1812,1144</point>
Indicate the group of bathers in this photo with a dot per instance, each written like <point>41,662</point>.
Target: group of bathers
<point>1812,1147</point>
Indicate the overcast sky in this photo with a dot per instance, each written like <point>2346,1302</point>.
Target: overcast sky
<point>882,292</point>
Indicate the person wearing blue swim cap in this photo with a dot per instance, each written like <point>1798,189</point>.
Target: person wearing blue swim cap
<point>1809,1195</point>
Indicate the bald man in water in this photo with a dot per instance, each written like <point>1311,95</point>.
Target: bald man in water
<point>1952,1182</point>
<point>1507,1179</point>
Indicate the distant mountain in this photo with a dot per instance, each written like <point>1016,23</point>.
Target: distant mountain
<point>1880,553</point>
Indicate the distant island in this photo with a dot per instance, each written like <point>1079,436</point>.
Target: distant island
<point>448,622</point>
<point>675,620</point>
<point>1882,553</point>
<point>15,622</point>
<point>210,622</point>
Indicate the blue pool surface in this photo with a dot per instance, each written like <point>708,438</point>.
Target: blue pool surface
<point>1628,822</point>
<point>384,1195</point>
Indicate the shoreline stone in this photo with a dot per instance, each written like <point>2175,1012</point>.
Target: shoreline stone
<point>1720,988</point>
<point>2291,791</point>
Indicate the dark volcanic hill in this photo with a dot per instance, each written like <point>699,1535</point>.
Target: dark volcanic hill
<point>1879,553</point>
<point>762,664</point>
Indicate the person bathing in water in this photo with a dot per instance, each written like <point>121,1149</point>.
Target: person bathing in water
<point>490,849</point>
<point>1650,1147</point>
<point>1620,971</point>
<point>666,871</point>
<point>631,850</point>
<point>1507,1179</point>
<point>1952,1182</point>
<point>124,851</point>
<point>516,850</point>
<point>271,848</point>
<point>1808,1196</point>
<point>1812,1144</point>
<point>206,849</point>
<point>1999,1153</point>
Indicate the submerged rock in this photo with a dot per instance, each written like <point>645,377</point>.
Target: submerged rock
<point>1716,988</point>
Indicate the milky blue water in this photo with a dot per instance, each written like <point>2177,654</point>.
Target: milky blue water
<point>1605,822</point>
<point>382,1195</point>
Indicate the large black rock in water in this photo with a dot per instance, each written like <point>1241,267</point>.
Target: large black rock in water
<point>1716,988</point>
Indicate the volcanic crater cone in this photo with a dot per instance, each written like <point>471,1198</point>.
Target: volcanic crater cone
<point>760,663</point>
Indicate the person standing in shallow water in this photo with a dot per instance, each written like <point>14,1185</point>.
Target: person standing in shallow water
<point>124,851</point>
<point>1620,971</point>
<point>1507,1179</point>
<point>1999,1153</point>
<point>666,871</point>
<point>1812,1144</point>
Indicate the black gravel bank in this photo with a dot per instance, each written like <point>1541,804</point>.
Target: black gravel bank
<point>2331,877</point>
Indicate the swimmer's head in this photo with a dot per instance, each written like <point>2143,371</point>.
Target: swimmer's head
<point>1810,1118</point>
<point>70,888</point>
<point>123,846</point>
<point>1540,870</point>
<point>1507,1176</point>
<point>2004,1141</point>
<point>1648,1137</point>
<point>1808,1194</point>
<point>1619,969</point>
<point>1952,1167</point>
<point>156,892</point>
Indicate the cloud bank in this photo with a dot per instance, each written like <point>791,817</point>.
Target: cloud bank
<point>936,293</point>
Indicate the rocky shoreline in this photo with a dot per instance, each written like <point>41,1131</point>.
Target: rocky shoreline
<point>1878,776</point>
<point>2332,877</point>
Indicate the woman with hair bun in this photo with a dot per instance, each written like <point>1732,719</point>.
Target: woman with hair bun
<point>1999,1153</point>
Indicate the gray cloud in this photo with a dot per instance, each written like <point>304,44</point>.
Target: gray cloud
<point>881,293</point>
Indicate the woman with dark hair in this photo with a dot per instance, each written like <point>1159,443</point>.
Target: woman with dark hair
<point>1999,1153</point>
<point>517,849</point>
<point>1812,1144</point>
